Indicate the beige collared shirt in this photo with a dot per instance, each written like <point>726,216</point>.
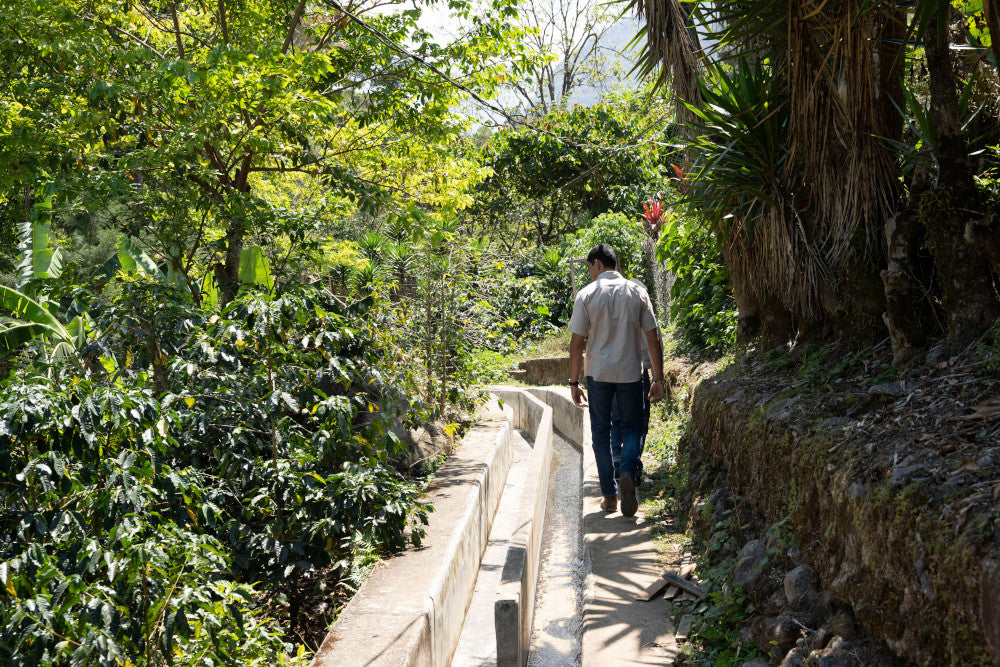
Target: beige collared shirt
<point>613,313</point>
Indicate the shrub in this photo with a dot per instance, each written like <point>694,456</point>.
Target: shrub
<point>701,303</point>
<point>621,232</point>
<point>203,461</point>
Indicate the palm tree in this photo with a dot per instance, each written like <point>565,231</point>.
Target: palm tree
<point>795,152</point>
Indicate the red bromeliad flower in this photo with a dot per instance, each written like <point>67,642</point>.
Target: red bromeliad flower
<point>652,215</point>
<point>682,186</point>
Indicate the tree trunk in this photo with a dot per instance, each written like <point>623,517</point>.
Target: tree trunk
<point>902,291</point>
<point>891,69</point>
<point>991,11</point>
<point>229,275</point>
<point>984,237</point>
<point>748,324</point>
<point>777,325</point>
<point>964,279</point>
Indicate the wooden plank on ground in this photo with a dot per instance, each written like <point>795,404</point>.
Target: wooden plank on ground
<point>687,569</point>
<point>684,627</point>
<point>671,592</point>
<point>650,592</point>
<point>684,584</point>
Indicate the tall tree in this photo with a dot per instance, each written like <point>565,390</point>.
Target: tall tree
<point>188,105</point>
<point>965,281</point>
<point>796,158</point>
<point>571,41</point>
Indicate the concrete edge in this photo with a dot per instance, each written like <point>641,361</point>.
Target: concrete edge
<point>567,418</point>
<point>515,603</point>
<point>452,588</point>
<point>430,636</point>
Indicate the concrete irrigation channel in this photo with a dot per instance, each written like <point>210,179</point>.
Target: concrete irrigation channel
<point>519,565</point>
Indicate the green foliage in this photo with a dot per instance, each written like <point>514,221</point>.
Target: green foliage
<point>518,309</point>
<point>208,136</point>
<point>149,504</point>
<point>988,180</point>
<point>542,187</point>
<point>701,302</point>
<point>668,470</point>
<point>30,320</point>
<point>254,269</point>
<point>39,259</point>
<point>29,316</point>
<point>739,153</point>
<point>488,367</point>
<point>715,632</point>
<point>989,349</point>
<point>623,233</point>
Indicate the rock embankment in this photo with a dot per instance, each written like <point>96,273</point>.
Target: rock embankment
<point>881,496</point>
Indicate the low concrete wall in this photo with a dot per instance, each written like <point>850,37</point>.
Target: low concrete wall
<point>528,410</point>
<point>567,418</point>
<point>409,612</point>
<point>515,604</point>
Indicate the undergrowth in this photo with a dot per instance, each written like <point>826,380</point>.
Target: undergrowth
<point>715,637</point>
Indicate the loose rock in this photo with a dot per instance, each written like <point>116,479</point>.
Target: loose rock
<point>799,585</point>
<point>842,624</point>
<point>939,354</point>
<point>750,565</point>
<point>794,659</point>
<point>837,654</point>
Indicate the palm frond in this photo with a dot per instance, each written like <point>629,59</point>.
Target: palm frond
<point>668,49</point>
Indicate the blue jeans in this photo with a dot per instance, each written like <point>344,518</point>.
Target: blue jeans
<point>616,428</point>
<point>601,395</point>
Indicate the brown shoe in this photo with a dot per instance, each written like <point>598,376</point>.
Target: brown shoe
<point>610,503</point>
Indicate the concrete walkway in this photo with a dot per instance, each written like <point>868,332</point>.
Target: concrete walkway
<point>589,565</point>
<point>472,649</point>
<point>619,561</point>
<point>617,628</point>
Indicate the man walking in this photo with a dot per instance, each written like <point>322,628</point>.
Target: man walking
<point>612,315</point>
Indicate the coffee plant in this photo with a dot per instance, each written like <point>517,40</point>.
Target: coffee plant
<point>154,498</point>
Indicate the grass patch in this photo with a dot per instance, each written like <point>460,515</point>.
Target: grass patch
<point>555,344</point>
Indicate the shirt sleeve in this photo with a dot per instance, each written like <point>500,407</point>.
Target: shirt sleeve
<point>579,321</point>
<point>648,317</point>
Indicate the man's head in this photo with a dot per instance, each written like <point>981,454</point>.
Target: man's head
<point>601,258</point>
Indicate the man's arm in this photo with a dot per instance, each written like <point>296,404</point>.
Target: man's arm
<point>656,388</point>
<point>576,344</point>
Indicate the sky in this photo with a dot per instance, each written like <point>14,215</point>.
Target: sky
<point>436,20</point>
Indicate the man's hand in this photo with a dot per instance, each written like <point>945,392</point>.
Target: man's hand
<point>656,392</point>
<point>579,398</point>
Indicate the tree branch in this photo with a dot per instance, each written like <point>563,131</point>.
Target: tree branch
<point>177,30</point>
<point>222,22</point>
<point>294,25</point>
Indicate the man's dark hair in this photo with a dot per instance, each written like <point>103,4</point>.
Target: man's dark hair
<point>604,254</point>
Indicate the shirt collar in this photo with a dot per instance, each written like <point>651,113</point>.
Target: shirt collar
<point>609,274</point>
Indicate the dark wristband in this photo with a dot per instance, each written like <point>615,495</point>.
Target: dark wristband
<point>574,383</point>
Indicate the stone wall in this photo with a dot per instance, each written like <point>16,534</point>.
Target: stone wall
<point>547,371</point>
<point>916,571</point>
